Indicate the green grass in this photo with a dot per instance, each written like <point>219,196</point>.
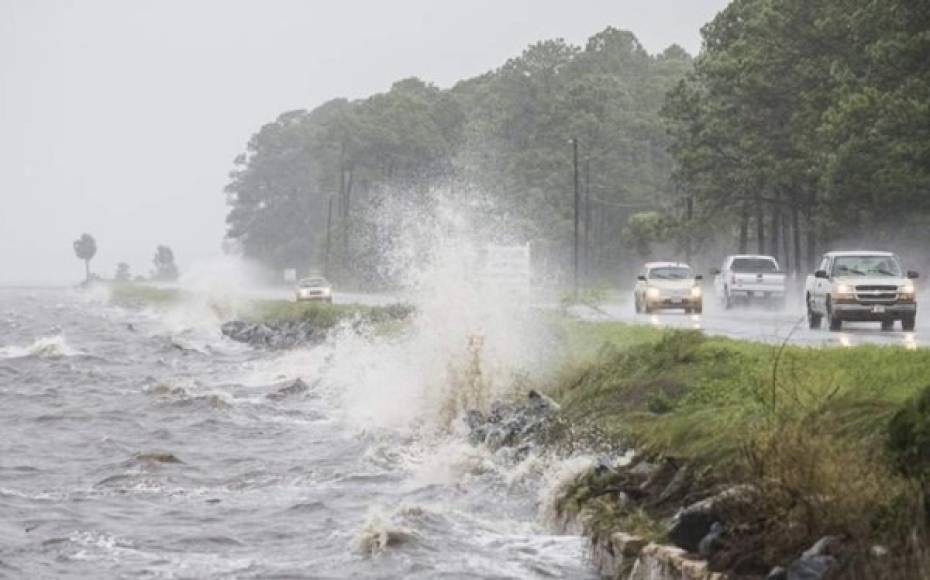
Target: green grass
<point>384,319</point>
<point>325,316</point>
<point>806,426</point>
<point>681,392</point>
<point>132,294</point>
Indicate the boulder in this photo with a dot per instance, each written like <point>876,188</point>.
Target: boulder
<point>817,562</point>
<point>677,487</point>
<point>511,424</point>
<point>712,541</point>
<point>667,562</point>
<point>273,335</point>
<point>814,568</point>
<point>296,388</point>
<point>777,573</point>
<point>691,524</point>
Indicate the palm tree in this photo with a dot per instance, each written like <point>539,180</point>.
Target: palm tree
<point>85,248</point>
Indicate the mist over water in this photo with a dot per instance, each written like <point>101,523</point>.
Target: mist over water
<point>140,443</point>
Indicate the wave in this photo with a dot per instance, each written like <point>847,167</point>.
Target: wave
<point>556,482</point>
<point>48,347</point>
<point>383,531</point>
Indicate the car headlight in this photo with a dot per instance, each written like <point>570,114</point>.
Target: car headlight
<point>696,291</point>
<point>907,289</point>
<point>652,293</point>
<point>326,291</point>
<point>843,289</point>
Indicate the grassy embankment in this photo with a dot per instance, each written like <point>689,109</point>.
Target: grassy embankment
<point>320,315</point>
<point>386,318</point>
<point>835,440</point>
<point>133,294</point>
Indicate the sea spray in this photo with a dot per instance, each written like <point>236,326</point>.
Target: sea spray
<point>560,476</point>
<point>49,347</point>
<point>470,341</point>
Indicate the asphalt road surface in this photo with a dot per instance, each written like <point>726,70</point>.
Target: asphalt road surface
<point>760,324</point>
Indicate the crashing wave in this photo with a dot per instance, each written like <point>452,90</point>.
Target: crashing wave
<point>381,532</point>
<point>557,480</point>
<point>46,347</point>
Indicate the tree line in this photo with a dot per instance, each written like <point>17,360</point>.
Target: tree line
<point>805,123</point>
<point>501,138</point>
<point>165,269</point>
<point>801,123</point>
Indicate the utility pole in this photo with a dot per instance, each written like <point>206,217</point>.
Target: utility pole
<point>587,220</point>
<point>689,215</point>
<point>329,225</point>
<point>577,204</point>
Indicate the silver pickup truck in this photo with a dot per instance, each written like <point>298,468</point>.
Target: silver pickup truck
<point>861,286</point>
<point>748,278</point>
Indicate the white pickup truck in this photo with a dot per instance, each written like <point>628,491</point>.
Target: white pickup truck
<point>861,286</point>
<point>749,277</point>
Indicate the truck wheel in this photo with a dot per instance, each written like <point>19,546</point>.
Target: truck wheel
<point>888,324</point>
<point>646,307</point>
<point>636,305</point>
<point>908,322</point>
<point>835,323</point>
<point>699,309</point>
<point>813,319</point>
<point>727,300</point>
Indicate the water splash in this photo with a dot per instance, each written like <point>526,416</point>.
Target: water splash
<point>48,347</point>
<point>471,341</point>
<point>381,530</point>
<point>558,478</point>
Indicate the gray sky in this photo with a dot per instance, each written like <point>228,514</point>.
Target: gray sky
<point>121,118</point>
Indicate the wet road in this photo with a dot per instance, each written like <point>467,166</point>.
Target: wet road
<point>759,324</point>
<point>742,323</point>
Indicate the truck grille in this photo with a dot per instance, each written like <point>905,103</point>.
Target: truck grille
<point>868,293</point>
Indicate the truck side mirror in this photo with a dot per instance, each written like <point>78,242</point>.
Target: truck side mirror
<point>912,275</point>
<point>641,278</point>
<point>821,274</point>
<point>698,277</point>
<point>715,271</point>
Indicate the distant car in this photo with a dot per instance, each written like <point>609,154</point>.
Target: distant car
<point>661,285</point>
<point>861,286</point>
<point>749,278</point>
<point>314,288</point>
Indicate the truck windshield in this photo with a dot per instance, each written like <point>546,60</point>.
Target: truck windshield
<point>313,282</point>
<point>866,266</point>
<point>670,273</point>
<point>753,266</point>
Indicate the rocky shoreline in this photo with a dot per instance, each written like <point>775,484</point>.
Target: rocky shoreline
<point>275,335</point>
<point>690,535</point>
<point>280,325</point>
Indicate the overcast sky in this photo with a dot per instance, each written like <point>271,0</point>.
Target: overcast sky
<point>121,118</point>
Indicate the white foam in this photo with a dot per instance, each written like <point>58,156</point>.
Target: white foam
<point>382,530</point>
<point>556,480</point>
<point>54,346</point>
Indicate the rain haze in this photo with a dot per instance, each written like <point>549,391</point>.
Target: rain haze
<point>122,119</point>
<point>472,290</point>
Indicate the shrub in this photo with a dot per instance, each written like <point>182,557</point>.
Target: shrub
<point>909,435</point>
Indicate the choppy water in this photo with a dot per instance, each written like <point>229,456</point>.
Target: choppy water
<point>135,445</point>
